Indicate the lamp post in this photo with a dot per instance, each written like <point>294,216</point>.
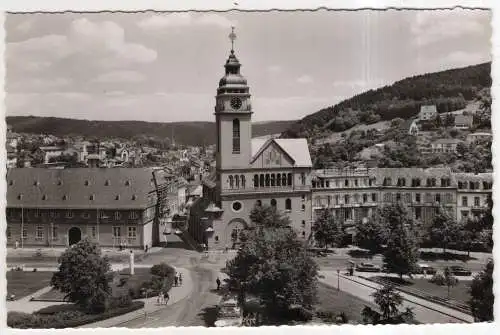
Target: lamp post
<point>338,279</point>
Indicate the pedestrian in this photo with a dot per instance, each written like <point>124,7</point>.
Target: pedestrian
<point>16,244</point>
<point>158,299</point>
<point>146,248</point>
<point>180,279</point>
<point>218,283</point>
<point>176,279</point>
<point>167,298</point>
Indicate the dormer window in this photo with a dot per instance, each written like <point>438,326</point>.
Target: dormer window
<point>91,197</point>
<point>20,197</point>
<point>134,197</point>
<point>86,183</point>
<point>117,197</point>
<point>59,182</point>
<point>106,183</point>
<point>36,183</point>
<point>65,197</point>
<point>44,197</point>
<point>127,183</point>
<point>11,182</point>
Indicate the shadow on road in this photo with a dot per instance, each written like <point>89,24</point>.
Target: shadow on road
<point>209,316</point>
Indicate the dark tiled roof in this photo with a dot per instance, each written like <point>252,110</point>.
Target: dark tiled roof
<point>119,188</point>
<point>488,177</point>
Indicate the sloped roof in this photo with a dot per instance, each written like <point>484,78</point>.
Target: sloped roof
<point>428,108</point>
<point>447,141</point>
<point>463,119</point>
<point>474,177</point>
<point>296,148</point>
<point>54,184</point>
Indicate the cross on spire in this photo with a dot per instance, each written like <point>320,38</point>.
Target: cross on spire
<point>232,37</point>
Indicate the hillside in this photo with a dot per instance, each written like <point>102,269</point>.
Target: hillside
<point>449,90</point>
<point>187,133</point>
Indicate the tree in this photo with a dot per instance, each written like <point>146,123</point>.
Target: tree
<point>82,275</point>
<point>443,229</point>
<point>389,302</point>
<point>370,234</point>
<point>481,291</point>
<point>327,231</point>
<point>273,266</point>
<point>401,254</point>
<point>449,280</point>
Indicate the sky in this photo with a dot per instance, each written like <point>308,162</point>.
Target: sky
<point>165,67</point>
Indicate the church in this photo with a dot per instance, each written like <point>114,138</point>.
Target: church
<point>250,171</point>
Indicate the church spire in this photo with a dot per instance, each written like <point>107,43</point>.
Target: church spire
<point>232,37</point>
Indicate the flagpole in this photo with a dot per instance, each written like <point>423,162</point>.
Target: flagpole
<point>22,228</point>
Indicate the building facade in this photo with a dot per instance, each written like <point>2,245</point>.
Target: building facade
<point>59,207</point>
<point>473,194</point>
<point>251,172</point>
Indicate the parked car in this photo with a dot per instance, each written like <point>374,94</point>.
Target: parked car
<point>458,270</point>
<point>367,267</point>
<point>425,269</point>
<point>229,313</point>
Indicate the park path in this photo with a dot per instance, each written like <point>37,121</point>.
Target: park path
<point>424,311</point>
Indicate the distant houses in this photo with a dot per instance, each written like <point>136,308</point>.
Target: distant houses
<point>445,145</point>
<point>463,121</point>
<point>428,113</point>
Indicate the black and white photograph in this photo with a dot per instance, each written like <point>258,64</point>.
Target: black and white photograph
<point>248,168</point>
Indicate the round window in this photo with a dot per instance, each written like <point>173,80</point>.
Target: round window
<point>237,206</point>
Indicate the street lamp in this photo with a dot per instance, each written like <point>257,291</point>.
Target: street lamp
<point>338,279</point>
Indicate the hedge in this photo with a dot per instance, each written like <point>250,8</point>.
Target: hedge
<point>69,318</point>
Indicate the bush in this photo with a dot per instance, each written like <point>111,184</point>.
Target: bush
<point>332,317</point>
<point>58,308</point>
<point>438,279</point>
<point>162,270</point>
<point>121,301</point>
<point>123,281</point>
<point>65,319</point>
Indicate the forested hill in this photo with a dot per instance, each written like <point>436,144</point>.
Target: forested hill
<point>187,133</point>
<point>448,90</point>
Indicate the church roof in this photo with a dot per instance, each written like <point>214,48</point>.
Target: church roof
<point>296,148</point>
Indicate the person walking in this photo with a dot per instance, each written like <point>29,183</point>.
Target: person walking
<point>158,299</point>
<point>180,279</point>
<point>167,298</point>
<point>218,283</point>
<point>176,279</point>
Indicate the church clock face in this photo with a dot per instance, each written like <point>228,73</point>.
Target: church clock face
<point>236,103</point>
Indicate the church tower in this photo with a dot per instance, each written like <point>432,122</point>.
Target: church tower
<point>233,115</point>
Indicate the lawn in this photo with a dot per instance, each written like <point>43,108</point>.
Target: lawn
<point>458,293</point>
<point>23,283</point>
<point>141,275</point>
<point>330,299</point>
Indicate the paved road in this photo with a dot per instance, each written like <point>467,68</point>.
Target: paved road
<point>197,309</point>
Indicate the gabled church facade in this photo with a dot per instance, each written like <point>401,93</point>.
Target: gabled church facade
<point>252,172</point>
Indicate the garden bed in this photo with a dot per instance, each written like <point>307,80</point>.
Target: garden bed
<point>65,316</point>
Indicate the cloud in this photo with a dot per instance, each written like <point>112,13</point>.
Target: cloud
<point>434,26</point>
<point>274,69</point>
<point>162,21</point>
<point>94,40</point>
<point>25,26</point>
<point>120,76</point>
<point>305,79</point>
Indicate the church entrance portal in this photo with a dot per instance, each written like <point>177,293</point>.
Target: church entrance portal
<point>233,231</point>
<point>74,235</point>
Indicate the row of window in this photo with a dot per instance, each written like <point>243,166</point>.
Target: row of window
<point>66,197</point>
<point>288,204</point>
<point>337,199</point>
<point>276,179</point>
<point>477,202</point>
<point>322,183</point>
<point>417,182</point>
<point>428,197</point>
<point>54,233</point>
<point>60,182</point>
<point>463,185</point>
<point>237,181</point>
<point>70,214</point>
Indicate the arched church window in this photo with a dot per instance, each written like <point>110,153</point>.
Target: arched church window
<point>268,180</point>
<point>273,179</point>
<point>283,179</point>
<point>242,179</point>
<point>290,179</point>
<point>237,181</point>
<point>273,203</point>
<point>231,182</point>
<point>288,204</point>
<point>236,136</point>
<point>262,180</point>
<point>256,180</point>
<point>278,179</point>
